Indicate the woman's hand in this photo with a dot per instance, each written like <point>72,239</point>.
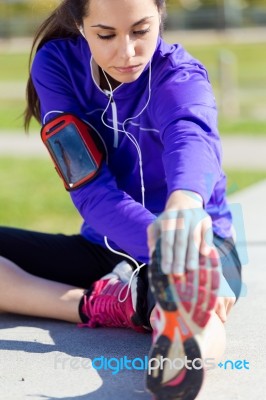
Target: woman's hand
<point>185,230</point>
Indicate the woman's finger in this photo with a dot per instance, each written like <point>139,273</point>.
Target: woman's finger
<point>206,237</point>
<point>194,243</point>
<point>168,232</point>
<point>181,242</point>
<point>153,235</point>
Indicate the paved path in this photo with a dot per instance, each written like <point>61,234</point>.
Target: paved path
<point>247,152</point>
<point>239,151</point>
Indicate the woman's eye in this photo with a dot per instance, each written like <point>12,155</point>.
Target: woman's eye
<point>142,32</point>
<point>105,37</point>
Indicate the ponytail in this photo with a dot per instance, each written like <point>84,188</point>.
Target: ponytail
<point>62,23</point>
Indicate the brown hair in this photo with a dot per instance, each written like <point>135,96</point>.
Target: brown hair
<point>62,23</point>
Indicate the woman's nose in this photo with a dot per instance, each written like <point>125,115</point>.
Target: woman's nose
<point>127,48</point>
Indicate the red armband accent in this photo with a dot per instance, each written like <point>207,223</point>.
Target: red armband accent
<point>74,148</point>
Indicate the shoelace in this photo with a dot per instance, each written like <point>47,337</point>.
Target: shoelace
<point>107,311</point>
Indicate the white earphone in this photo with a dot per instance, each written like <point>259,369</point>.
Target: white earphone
<point>80,28</point>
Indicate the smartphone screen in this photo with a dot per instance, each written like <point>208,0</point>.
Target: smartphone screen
<point>71,154</point>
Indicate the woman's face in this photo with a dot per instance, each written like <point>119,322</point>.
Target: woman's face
<point>122,35</point>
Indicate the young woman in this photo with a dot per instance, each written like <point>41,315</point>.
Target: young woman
<point>130,123</point>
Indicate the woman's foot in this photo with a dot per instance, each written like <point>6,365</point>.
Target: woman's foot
<point>184,307</point>
<point>116,300</point>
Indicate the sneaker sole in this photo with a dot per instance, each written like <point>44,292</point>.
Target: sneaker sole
<point>187,312</point>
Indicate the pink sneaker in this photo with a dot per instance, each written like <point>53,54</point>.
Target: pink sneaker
<point>183,308</point>
<point>113,300</point>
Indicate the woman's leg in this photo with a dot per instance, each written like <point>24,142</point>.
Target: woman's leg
<point>100,306</point>
<point>23,293</point>
<point>42,274</point>
<point>188,320</point>
<point>67,259</point>
<point>212,339</point>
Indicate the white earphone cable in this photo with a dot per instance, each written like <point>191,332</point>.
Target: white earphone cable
<point>128,134</point>
<point>135,143</point>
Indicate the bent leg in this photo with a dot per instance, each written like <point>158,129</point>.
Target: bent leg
<point>41,274</point>
<point>23,293</point>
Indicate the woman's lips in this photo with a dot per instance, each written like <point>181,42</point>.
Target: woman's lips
<point>128,70</point>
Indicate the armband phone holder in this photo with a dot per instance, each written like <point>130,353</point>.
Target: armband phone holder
<point>74,149</point>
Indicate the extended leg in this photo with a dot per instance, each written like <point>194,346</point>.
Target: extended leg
<point>212,339</point>
<point>184,312</point>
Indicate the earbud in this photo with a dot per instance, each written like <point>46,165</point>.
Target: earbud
<point>80,28</point>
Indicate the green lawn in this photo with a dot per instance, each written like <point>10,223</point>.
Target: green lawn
<point>251,61</point>
<point>251,78</point>
<point>33,197</point>
<point>14,67</point>
<point>11,115</point>
<point>240,179</point>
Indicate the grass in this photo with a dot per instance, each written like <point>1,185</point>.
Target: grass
<point>11,115</point>
<point>33,197</point>
<point>14,66</point>
<point>244,126</point>
<point>241,179</point>
<point>251,81</point>
<point>251,73</point>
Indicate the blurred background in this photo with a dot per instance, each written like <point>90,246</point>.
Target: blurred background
<point>21,17</point>
<point>228,36</point>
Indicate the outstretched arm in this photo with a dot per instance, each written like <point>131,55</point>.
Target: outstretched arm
<point>113,213</point>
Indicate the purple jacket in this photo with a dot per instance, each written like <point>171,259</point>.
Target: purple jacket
<point>169,112</point>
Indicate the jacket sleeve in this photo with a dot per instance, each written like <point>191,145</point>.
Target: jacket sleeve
<point>50,78</point>
<point>108,210</point>
<point>188,124</point>
<point>113,213</point>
